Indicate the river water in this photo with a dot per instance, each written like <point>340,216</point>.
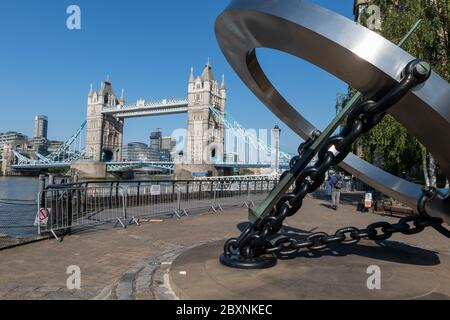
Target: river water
<point>18,206</point>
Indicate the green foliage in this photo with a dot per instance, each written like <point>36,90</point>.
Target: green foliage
<point>389,145</point>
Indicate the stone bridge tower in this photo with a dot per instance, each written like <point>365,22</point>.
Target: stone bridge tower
<point>104,133</point>
<point>205,134</point>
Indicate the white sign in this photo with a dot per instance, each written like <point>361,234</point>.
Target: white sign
<point>155,190</point>
<point>368,201</point>
<point>42,217</point>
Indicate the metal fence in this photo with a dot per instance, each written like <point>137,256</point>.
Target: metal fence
<point>61,209</point>
<point>64,208</point>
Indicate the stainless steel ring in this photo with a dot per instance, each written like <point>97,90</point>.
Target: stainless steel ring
<point>354,54</point>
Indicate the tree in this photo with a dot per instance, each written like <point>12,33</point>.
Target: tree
<point>389,145</point>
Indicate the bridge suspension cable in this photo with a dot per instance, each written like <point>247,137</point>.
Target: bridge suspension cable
<point>62,150</point>
<point>71,150</point>
<point>236,127</point>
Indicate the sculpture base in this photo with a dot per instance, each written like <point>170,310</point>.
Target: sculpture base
<point>238,262</point>
<point>341,272</point>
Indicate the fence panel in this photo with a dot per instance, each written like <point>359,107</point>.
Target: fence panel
<point>230,193</point>
<point>149,199</point>
<point>258,190</point>
<point>194,196</point>
<point>63,209</point>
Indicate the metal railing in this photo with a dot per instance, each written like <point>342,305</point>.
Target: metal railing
<point>63,208</point>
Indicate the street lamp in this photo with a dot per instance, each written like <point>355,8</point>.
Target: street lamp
<point>276,132</point>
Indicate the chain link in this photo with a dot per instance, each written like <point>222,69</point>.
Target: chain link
<point>254,241</point>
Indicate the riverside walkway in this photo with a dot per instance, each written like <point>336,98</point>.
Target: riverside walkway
<point>135,263</point>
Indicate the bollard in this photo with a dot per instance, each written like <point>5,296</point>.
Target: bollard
<point>138,202</point>
<point>69,212</point>
<point>41,190</point>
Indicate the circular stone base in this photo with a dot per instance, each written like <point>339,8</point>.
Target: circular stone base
<point>337,273</point>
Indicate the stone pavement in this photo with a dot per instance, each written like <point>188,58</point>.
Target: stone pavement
<point>135,263</point>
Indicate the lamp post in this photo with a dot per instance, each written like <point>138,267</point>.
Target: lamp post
<point>276,132</point>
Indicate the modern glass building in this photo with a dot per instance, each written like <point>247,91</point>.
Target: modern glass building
<point>156,140</point>
<point>138,151</point>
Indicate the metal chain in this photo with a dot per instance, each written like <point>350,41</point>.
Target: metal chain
<point>254,241</point>
<point>289,246</point>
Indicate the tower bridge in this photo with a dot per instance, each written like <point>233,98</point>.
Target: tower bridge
<point>205,106</point>
<point>145,109</point>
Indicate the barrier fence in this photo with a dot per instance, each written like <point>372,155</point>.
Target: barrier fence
<point>65,207</point>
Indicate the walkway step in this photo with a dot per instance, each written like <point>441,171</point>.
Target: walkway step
<point>147,280</point>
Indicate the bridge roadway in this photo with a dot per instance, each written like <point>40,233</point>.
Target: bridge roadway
<point>142,108</point>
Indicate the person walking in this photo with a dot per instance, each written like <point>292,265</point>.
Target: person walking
<point>336,183</point>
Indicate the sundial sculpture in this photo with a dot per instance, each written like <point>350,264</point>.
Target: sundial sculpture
<point>392,81</point>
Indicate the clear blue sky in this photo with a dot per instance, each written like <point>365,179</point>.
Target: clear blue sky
<point>147,47</point>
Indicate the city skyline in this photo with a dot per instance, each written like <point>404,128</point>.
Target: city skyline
<point>58,73</point>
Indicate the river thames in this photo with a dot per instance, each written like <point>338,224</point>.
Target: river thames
<point>18,206</point>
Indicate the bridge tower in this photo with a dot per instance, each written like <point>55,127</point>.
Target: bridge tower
<point>104,132</point>
<point>205,133</point>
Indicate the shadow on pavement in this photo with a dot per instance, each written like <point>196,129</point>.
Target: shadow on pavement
<point>391,251</point>
<point>328,206</point>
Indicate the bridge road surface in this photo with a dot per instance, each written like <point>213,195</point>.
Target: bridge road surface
<point>38,270</point>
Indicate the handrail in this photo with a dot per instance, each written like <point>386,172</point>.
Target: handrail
<point>137,182</point>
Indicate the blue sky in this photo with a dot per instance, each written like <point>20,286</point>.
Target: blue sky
<point>147,48</point>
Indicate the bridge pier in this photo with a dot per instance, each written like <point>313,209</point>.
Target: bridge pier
<point>188,171</point>
<point>87,169</point>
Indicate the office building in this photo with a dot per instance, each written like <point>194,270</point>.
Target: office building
<point>41,127</point>
<point>168,143</point>
<point>138,151</point>
<point>156,140</point>
<point>9,137</point>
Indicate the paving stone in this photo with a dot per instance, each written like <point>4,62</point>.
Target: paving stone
<point>60,295</point>
<point>48,289</point>
<point>124,290</point>
<point>143,283</point>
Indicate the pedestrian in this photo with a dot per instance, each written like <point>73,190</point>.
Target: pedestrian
<point>336,182</point>
<point>328,187</point>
